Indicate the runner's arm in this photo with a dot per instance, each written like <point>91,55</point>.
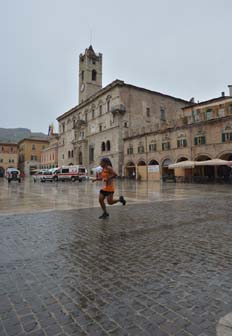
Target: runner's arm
<point>112,174</point>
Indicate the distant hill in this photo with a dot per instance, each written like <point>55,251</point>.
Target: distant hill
<point>13,135</point>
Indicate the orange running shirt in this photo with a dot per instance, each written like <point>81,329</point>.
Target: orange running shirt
<point>109,184</point>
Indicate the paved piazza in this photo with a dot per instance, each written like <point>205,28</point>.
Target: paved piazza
<point>160,266</point>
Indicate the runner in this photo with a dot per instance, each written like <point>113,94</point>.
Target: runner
<point>107,175</point>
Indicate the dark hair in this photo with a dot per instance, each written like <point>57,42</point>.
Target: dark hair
<point>107,161</point>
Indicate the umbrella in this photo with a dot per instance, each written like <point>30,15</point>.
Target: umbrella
<point>183,164</point>
<point>214,162</point>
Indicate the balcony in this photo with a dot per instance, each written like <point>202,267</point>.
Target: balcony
<point>79,123</point>
<point>120,109</point>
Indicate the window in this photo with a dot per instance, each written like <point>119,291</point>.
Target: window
<point>63,156</point>
<point>152,147</point>
<point>93,61</point>
<point>130,150</point>
<point>72,153</point>
<point>199,140</point>
<point>1,160</point>
<point>108,106</point>
<point>12,149</point>
<point>82,75</point>
<point>108,145</point>
<point>9,160</point>
<point>63,127</point>
<point>148,112</point>
<point>227,137</point>
<point>196,115</point>
<point>65,171</point>
<point>43,147</point>
<point>166,146</point>
<point>33,158</point>
<point>100,110</point>
<point>125,124</point>
<point>100,128</point>
<point>93,114</point>
<point>209,114</point>
<point>103,147</point>
<point>91,154</point>
<point>140,149</point>
<point>33,147</point>
<point>162,114</point>
<point>181,143</point>
<point>86,117</point>
<point>94,75</point>
<point>68,154</point>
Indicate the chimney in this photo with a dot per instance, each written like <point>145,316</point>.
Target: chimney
<point>230,90</point>
<point>223,94</point>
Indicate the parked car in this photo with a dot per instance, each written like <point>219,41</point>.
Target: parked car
<point>13,174</point>
<point>73,173</point>
<point>38,175</point>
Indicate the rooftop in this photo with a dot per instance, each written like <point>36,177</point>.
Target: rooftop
<point>210,101</point>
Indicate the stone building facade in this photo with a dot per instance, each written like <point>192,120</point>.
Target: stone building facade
<point>202,131</point>
<point>30,154</point>
<point>49,155</point>
<point>8,157</point>
<point>106,116</point>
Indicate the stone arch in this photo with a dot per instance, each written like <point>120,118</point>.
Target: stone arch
<point>153,163</point>
<point>141,162</point>
<point>130,170</point>
<point>165,171</point>
<point>166,162</point>
<point>202,157</point>
<point>182,158</point>
<point>141,170</point>
<point>225,155</point>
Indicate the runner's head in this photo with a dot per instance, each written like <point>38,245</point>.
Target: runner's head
<point>105,162</point>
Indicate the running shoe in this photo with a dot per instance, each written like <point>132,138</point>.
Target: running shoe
<point>122,200</point>
<point>104,215</point>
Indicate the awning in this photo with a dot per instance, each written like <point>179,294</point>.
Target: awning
<point>229,163</point>
<point>214,162</point>
<point>183,164</point>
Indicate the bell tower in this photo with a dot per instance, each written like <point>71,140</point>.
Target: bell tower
<point>90,73</point>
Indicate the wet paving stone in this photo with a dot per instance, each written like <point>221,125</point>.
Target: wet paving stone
<point>162,269</point>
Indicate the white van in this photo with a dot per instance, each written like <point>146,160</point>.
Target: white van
<point>73,173</point>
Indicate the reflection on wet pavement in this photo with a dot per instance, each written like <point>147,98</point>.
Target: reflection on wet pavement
<point>160,266</point>
<point>34,197</point>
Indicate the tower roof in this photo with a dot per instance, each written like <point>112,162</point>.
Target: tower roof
<point>90,52</point>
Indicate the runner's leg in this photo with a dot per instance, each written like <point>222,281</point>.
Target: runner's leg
<point>110,199</point>
<point>102,201</point>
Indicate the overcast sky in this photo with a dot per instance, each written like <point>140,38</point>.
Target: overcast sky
<point>179,47</point>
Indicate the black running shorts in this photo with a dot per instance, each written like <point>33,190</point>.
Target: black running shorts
<point>106,193</point>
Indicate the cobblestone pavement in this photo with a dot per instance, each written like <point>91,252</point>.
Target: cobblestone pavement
<point>156,268</point>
